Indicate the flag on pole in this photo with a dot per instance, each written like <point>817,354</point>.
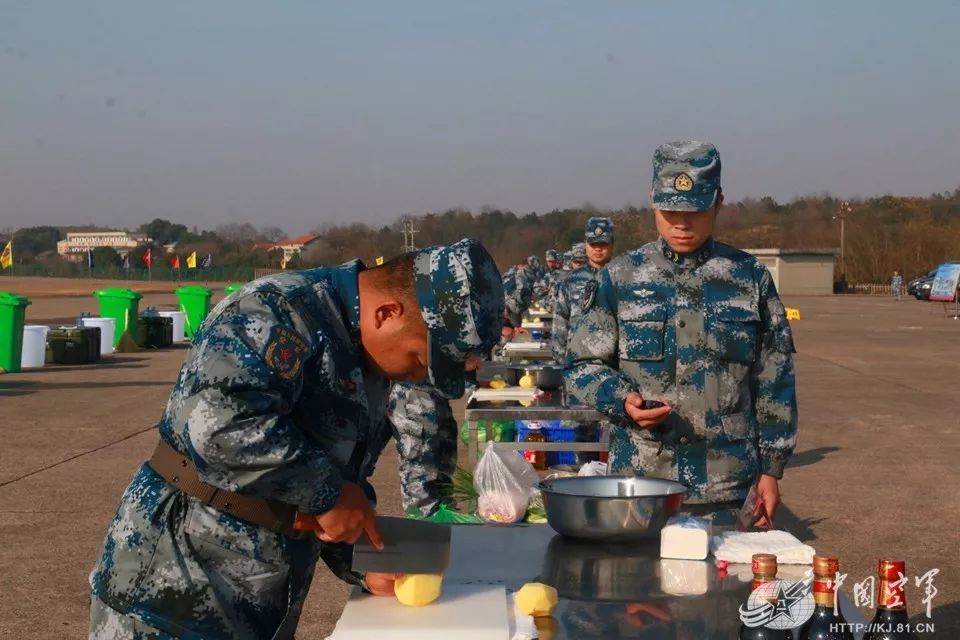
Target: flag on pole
<point>147,258</point>
<point>192,260</point>
<point>175,263</point>
<point>90,259</point>
<point>283,262</point>
<point>379,260</point>
<point>6,258</point>
<point>207,262</point>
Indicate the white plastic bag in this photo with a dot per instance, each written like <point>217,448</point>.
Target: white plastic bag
<point>594,468</point>
<point>504,482</point>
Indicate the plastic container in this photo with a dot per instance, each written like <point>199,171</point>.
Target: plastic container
<point>554,431</point>
<point>179,324</point>
<point>34,352</point>
<point>230,288</point>
<point>12,311</point>
<point>123,306</point>
<point>107,328</point>
<point>195,303</point>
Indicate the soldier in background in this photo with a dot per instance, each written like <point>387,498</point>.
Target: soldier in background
<point>697,326</point>
<point>280,411</point>
<point>543,291</point>
<point>597,251</point>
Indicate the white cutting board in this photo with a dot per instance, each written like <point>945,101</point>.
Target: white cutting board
<point>463,611</point>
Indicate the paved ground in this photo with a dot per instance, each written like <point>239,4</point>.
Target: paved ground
<point>875,474</point>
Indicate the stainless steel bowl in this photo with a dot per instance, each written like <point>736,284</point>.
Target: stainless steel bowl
<point>548,378</point>
<point>610,507</point>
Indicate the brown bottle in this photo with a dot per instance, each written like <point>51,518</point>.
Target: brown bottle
<point>891,621</point>
<point>537,458</point>
<point>764,567</point>
<point>825,624</point>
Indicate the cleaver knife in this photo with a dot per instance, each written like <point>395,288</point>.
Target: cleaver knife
<point>409,546</point>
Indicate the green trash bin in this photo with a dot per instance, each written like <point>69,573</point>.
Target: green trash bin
<point>13,308</point>
<point>123,306</point>
<point>230,288</point>
<point>195,303</point>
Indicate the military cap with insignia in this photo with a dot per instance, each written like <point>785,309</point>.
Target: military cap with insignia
<point>686,176</point>
<point>552,255</point>
<point>460,295</point>
<point>578,252</point>
<point>598,231</point>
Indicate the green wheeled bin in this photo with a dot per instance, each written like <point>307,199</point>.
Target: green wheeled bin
<point>123,306</point>
<point>13,309</point>
<point>195,304</point>
<point>230,288</point>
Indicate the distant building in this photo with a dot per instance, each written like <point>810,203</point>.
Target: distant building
<point>799,272</point>
<point>291,247</point>
<point>77,243</point>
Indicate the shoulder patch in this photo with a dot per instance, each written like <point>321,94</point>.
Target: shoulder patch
<point>285,352</point>
<point>589,295</point>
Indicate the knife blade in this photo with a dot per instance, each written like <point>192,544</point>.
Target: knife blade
<point>409,546</point>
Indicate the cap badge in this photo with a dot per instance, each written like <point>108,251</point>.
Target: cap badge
<point>683,182</point>
<point>598,231</point>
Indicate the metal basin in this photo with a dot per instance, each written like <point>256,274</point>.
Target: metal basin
<point>548,378</point>
<point>610,507</point>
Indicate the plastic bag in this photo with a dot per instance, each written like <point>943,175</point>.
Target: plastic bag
<point>504,482</point>
<point>594,468</point>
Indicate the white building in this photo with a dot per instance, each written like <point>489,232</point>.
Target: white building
<point>77,244</point>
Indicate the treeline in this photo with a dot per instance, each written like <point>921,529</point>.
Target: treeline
<point>883,234</point>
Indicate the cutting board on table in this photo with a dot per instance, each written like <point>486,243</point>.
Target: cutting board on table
<point>463,611</point>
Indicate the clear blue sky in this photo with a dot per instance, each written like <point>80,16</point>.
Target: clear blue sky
<point>295,113</point>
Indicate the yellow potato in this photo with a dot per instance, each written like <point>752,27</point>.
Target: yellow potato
<point>536,599</point>
<point>498,384</point>
<point>419,589</point>
<point>527,381</point>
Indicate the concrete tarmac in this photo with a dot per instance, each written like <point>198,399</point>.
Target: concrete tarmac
<point>875,474</point>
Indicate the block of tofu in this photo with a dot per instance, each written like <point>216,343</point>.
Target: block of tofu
<point>686,538</point>
<point>684,577</point>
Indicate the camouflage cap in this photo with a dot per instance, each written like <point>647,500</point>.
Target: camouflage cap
<point>598,231</point>
<point>578,252</point>
<point>686,176</point>
<point>461,299</point>
<point>552,255</point>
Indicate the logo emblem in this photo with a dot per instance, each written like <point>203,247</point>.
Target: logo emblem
<point>780,604</point>
<point>598,231</point>
<point>285,352</point>
<point>683,182</point>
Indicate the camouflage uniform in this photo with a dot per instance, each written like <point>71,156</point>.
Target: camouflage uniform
<point>569,290</point>
<point>426,433</point>
<point>704,332</point>
<point>273,401</point>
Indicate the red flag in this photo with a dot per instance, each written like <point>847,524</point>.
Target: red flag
<point>175,263</point>
<point>147,260</point>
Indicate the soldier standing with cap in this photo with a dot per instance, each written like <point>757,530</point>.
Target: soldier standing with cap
<point>279,411</point>
<point>598,250</point>
<point>697,326</point>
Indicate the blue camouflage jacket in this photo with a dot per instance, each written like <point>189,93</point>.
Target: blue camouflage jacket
<point>706,333</point>
<point>272,401</point>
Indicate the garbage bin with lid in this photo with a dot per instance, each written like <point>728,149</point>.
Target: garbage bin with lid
<point>123,306</point>
<point>13,308</point>
<point>195,303</point>
<point>230,288</point>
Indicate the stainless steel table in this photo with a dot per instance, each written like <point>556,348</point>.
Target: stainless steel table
<point>606,591</point>
<point>551,406</point>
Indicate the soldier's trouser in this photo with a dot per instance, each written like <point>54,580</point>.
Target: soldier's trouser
<point>107,624</point>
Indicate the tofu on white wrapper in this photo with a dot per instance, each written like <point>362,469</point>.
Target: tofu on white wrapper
<point>684,577</point>
<point>686,538</point>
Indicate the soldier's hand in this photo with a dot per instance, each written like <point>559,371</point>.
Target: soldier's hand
<point>380,584</point>
<point>768,490</point>
<point>646,418</point>
<point>350,517</point>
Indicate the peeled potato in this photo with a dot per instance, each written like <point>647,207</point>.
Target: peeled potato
<point>536,599</point>
<point>419,589</point>
<point>527,381</point>
<point>498,384</point>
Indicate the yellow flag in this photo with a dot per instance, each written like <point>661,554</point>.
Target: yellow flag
<point>192,260</point>
<point>6,258</point>
<point>283,262</point>
<point>379,260</point>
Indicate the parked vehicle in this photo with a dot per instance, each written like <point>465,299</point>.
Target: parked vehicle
<point>920,287</point>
